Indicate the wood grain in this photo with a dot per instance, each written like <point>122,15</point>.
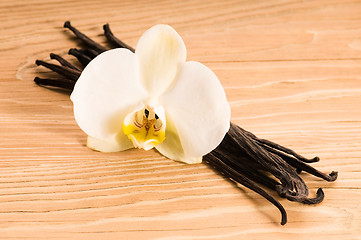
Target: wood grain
<point>291,70</point>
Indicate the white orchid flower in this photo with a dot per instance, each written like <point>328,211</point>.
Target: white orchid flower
<point>152,98</point>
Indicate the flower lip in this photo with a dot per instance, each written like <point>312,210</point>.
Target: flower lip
<point>144,127</point>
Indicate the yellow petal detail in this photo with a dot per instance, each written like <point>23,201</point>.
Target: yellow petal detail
<point>144,128</point>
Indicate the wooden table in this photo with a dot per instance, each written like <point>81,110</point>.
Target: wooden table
<point>292,74</point>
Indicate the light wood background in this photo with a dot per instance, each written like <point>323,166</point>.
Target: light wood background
<point>292,74</point>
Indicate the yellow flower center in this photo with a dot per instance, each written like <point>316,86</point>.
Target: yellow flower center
<point>145,128</point>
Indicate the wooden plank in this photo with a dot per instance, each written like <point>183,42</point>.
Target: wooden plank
<point>291,71</point>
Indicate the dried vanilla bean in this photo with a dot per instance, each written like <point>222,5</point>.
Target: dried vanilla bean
<point>241,157</point>
<point>81,56</point>
<point>67,72</point>
<point>248,157</point>
<point>283,149</point>
<point>85,39</point>
<point>114,40</point>
<point>58,83</point>
<point>224,167</point>
<point>63,62</point>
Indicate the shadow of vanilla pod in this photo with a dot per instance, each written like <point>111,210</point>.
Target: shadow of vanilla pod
<point>175,106</point>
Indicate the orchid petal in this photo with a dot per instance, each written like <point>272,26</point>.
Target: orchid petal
<point>116,143</point>
<point>107,89</point>
<point>171,147</point>
<point>199,109</point>
<point>161,52</point>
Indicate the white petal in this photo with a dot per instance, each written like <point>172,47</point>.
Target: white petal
<point>199,109</point>
<point>172,148</point>
<point>116,143</point>
<point>161,52</point>
<point>108,88</point>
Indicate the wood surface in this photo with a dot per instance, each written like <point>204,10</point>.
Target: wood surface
<point>292,74</point>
